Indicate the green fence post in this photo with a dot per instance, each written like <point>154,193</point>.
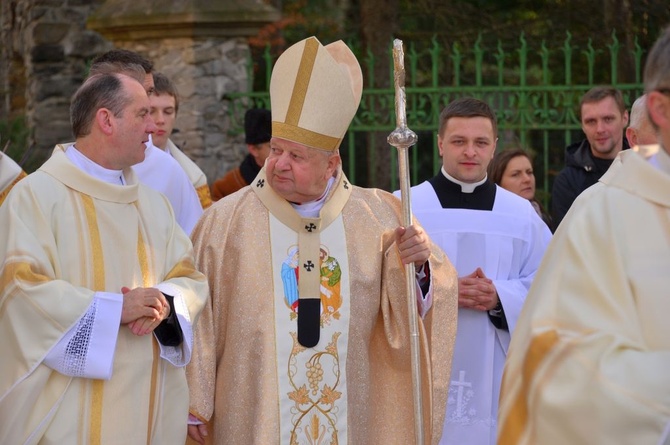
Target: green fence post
<point>567,51</point>
<point>523,99</point>
<point>500,60</point>
<point>456,57</point>
<point>614,57</point>
<point>590,59</point>
<point>479,57</point>
<point>544,55</point>
<point>435,51</point>
<point>267,57</point>
<point>637,55</point>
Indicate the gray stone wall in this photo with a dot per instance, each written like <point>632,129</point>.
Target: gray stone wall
<point>45,51</point>
<point>46,46</point>
<point>203,70</point>
<point>202,46</point>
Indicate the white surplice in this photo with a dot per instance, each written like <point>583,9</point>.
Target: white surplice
<point>162,172</point>
<point>194,173</point>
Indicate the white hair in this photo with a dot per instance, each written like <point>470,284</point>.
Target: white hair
<point>638,112</point>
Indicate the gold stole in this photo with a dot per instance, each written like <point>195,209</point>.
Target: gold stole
<point>93,389</point>
<point>309,259</point>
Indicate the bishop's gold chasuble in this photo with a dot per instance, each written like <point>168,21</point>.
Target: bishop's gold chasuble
<point>354,385</point>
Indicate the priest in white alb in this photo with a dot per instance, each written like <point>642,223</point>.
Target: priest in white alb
<point>98,290</point>
<point>306,337</point>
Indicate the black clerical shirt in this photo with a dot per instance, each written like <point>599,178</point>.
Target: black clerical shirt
<point>451,197</point>
<point>482,197</point>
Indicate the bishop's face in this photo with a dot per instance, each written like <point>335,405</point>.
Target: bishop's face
<point>467,145</point>
<point>299,173</point>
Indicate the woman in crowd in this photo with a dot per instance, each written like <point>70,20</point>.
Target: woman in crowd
<point>512,169</point>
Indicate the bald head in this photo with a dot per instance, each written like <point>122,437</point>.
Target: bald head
<point>640,131</point>
<point>98,91</point>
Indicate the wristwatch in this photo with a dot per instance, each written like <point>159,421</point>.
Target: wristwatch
<point>497,311</point>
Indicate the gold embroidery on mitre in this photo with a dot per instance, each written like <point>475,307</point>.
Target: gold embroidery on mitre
<point>301,83</point>
<point>306,137</point>
<point>306,76</point>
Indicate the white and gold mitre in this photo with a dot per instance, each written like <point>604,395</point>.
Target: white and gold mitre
<point>314,93</point>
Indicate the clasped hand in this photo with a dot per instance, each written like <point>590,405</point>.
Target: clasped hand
<point>144,308</point>
<point>476,291</point>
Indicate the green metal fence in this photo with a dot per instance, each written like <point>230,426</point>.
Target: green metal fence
<point>535,90</point>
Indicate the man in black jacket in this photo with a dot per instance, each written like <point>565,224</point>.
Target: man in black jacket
<point>604,118</point>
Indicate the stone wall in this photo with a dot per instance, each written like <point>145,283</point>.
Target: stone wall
<point>203,70</point>
<point>43,59</point>
<point>201,46</point>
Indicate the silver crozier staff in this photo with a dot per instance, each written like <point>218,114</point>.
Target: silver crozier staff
<point>402,138</point>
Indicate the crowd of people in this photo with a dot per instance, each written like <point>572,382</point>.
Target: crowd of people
<point>137,305</point>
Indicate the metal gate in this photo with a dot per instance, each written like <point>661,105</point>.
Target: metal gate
<point>535,92</point>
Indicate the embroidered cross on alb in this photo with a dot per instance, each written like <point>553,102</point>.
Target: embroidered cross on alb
<point>310,227</point>
<point>260,183</point>
<point>461,384</point>
<point>308,265</point>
